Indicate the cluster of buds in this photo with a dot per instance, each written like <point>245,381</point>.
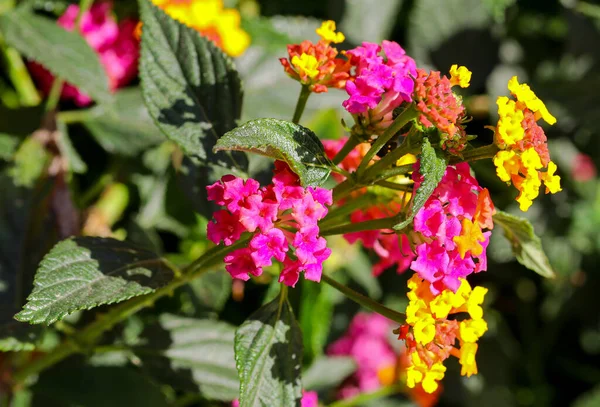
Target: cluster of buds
<point>431,335</point>
<point>212,20</point>
<point>440,108</point>
<point>281,215</point>
<point>317,65</point>
<point>523,158</point>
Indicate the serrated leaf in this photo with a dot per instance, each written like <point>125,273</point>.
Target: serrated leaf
<point>29,162</point>
<point>285,141</point>
<point>85,272</point>
<point>432,168</point>
<point>338,368</point>
<point>192,355</point>
<point>191,88</point>
<point>268,354</point>
<point>97,386</point>
<point>65,53</point>
<point>8,146</point>
<point>526,245</point>
<point>28,228</point>
<point>124,127</point>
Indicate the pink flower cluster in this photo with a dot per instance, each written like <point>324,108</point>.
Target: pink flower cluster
<point>450,223</point>
<point>114,42</point>
<point>367,342</point>
<point>280,215</point>
<point>309,399</point>
<point>377,77</point>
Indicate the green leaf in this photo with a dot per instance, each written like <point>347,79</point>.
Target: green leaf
<point>316,313</point>
<point>29,162</point>
<point>66,54</point>
<point>268,354</point>
<point>192,355</point>
<point>28,229</point>
<point>337,369</point>
<point>85,272</point>
<point>8,146</point>
<point>590,398</point>
<point>98,386</point>
<point>526,246</point>
<point>282,140</point>
<point>211,290</point>
<point>124,127</point>
<point>191,88</point>
<point>432,168</point>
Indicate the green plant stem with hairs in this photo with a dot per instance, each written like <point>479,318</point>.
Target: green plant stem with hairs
<point>365,301</point>
<point>86,338</point>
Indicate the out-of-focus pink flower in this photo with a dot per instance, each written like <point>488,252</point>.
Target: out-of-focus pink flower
<point>115,44</point>
<point>583,168</point>
<point>367,342</point>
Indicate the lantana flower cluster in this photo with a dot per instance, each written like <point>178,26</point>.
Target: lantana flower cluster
<point>212,20</point>
<point>317,65</point>
<point>524,159</point>
<point>431,334</point>
<point>454,227</point>
<point>114,42</point>
<point>280,216</point>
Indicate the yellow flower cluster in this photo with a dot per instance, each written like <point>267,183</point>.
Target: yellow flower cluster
<point>524,159</point>
<point>211,19</point>
<point>431,336</point>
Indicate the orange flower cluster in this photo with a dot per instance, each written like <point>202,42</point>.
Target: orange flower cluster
<point>317,65</point>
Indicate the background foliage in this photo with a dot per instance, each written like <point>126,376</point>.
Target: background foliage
<point>543,346</point>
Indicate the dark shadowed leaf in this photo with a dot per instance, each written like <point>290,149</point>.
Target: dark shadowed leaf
<point>193,355</point>
<point>97,386</point>
<point>526,245</point>
<point>316,314</point>
<point>66,54</point>
<point>268,354</point>
<point>85,272</point>
<point>285,141</point>
<point>432,168</point>
<point>28,229</point>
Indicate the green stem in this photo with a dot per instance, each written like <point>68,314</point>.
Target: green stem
<point>352,142</point>
<point>365,301</point>
<point>54,95</point>
<point>374,224</point>
<point>475,154</point>
<point>366,397</point>
<point>392,172</point>
<point>346,209</point>
<point>395,187</point>
<point>301,104</point>
<point>19,76</point>
<point>406,116</point>
<point>94,330</point>
<point>75,116</point>
<point>343,189</point>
